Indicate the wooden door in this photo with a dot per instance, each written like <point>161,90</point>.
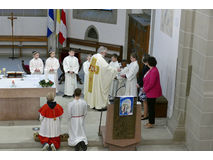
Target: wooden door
<point>138,36</point>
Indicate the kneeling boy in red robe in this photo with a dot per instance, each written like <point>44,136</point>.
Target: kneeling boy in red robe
<point>50,117</point>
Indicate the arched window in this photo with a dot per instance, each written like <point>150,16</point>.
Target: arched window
<point>91,34</point>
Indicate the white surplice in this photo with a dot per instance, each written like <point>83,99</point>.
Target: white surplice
<point>86,72</point>
<point>99,97</point>
<point>114,85</point>
<point>131,75</point>
<point>70,63</point>
<point>50,127</point>
<point>52,63</point>
<point>36,64</point>
<point>122,82</point>
<point>77,110</point>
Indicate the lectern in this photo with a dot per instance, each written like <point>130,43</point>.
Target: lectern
<point>122,130</point>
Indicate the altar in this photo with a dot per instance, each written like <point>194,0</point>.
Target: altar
<point>20,100</point>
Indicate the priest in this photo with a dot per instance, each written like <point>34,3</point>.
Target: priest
<point>100,77</point>
<point>71,67</point>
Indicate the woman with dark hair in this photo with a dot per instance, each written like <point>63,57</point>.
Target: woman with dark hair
<point>131,76</point>
<point>142,96</point>
<point>152,88</point>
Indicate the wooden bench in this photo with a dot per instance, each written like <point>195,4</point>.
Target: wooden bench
<point>22,39</point>
<point>96,45</point>
<point>161,107</point>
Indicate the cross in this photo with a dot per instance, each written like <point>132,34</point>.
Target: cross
<point>93,69</point>
<point>12,18</point>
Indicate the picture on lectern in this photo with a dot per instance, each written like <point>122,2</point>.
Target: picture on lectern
<point>126,106</point>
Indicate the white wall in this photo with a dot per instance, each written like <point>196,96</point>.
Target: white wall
<point>137,11</point>
<point>27,26</point>
<point>35,26</point>
<point>108,33</point>
<point>165,49</point>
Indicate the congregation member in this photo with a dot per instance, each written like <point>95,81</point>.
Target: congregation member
<point>71,67</point>
<point>100,77</point>
<point>36,64</point>
<point>50,117</point>
<point>131,76</point>
<point>77,110</point>
<point>86,71</point>
<point>142,95</point>
<point>51,67</point>
<point>152,89</point>
<point>114,86</point>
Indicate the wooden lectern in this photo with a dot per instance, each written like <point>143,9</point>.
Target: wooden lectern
<point>122,133</point>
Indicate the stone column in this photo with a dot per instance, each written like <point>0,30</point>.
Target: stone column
<point>177,122</point>
<point>199,113</point>
<point>193,112</point>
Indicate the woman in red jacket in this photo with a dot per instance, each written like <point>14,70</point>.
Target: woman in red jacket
<point>152,88</point>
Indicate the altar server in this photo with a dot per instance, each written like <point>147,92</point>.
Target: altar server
<point>131,76</point>
<point>86,71</point>
<point>51,67</point>
<point>50,117</point>
<point>114,86</point>
<point>122,81</point>
<point>71,67</point>
<point>36,64</point>
<point>77,110</point>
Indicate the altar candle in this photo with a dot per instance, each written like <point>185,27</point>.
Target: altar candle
<point>46,76</point>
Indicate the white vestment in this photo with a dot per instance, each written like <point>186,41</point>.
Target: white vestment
<point>52,63</point>
<point>122,82</point>
<point>36,64</point>
<point>131,75</point>
<point>86,72</point>
<point>50,127</point>
<point>99,82</point>
<point>114,85</point>
<point>77,110</point>
<point>70,63</point>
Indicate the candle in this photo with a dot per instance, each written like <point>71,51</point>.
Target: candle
<point>46,75</point>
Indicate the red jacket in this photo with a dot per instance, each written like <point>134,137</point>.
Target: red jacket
<point>151,84</point>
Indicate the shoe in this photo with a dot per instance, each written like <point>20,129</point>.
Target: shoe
<point>145,118</point>
<point>149,125</point>
<point>83,145</point>
<point>53,147</point>
<point>64,95</point>
<point>77,147</point>
<point>45,147</point>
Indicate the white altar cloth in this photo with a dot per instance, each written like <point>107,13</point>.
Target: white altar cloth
<point>28,81</point>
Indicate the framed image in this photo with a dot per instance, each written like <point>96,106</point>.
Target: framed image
<point>126,106</point>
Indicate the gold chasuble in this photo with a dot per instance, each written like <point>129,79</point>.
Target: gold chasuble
<point>101,75</point>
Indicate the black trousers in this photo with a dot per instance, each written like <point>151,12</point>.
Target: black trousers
<point>151,109</point>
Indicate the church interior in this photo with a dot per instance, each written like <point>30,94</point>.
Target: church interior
<point>181,40</point>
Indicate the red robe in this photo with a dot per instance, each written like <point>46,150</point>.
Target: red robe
<point>47,112</point>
